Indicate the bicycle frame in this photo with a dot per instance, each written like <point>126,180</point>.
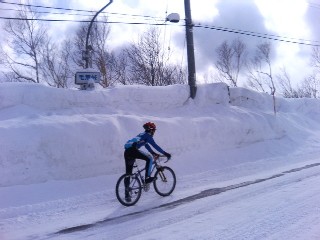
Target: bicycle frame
<point>155,165</point>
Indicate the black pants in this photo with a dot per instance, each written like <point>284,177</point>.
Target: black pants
<point>131,154</point>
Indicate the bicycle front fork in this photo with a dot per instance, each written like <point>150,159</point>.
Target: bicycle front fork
<point>163,177</point>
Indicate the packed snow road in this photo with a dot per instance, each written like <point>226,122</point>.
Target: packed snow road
<point>278,207</point>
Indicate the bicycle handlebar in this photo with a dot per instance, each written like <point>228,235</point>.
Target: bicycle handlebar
<point>161,156</point>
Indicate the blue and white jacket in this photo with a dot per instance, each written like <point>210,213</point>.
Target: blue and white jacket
<point>144,139</point>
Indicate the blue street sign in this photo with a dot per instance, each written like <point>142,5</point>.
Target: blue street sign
<point>87,77</point>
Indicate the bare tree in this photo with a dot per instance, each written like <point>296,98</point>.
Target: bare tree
<point>26,37</point>
<point>120,66</point>
<point>103,60</point>
<point>260,71</point>
<point>78,45</point>
<point>310,87</point>
<point>55,66</point>
<point>311,84</point>
<point>315,58</point>
<point>231,58</point>
<point>148,61</point>
<point>286,86</point>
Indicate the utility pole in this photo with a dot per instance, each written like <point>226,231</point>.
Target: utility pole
<point>87,53</point>
<point>190,50</point>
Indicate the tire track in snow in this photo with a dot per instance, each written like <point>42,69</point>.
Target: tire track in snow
<point>202,194</point>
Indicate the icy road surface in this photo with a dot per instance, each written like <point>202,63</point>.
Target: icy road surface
<point>278,205</point>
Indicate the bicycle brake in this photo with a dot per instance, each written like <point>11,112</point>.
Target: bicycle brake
<point>160,168</point>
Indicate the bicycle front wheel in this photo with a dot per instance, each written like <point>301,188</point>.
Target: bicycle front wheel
<point>128,190</point>
<point>165,181</point>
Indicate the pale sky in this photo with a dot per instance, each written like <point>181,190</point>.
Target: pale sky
<point>292,20</point>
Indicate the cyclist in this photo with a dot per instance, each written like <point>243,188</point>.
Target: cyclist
<point>132,152</point>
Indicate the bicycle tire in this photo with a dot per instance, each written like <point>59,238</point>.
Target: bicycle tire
<point>134,190</point>
<point>165,181</point>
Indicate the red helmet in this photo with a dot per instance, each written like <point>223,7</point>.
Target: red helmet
<point>149,126</point>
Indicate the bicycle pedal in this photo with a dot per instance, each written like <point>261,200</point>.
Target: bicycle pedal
<point>146,187</point>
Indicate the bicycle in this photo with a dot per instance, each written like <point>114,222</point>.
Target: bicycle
<point>129,187</point>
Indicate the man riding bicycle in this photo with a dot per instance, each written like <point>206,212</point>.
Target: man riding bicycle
<point>132,152</point>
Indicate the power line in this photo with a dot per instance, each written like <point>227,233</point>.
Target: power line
<point>313,5</point>
<point>224,29</point>
<point>229,30</point>
<point>84,15</point>
<point>68,20</point>
<point>40,6</point>
<point>76,10</point>
<point>265,34</point>
<point>54,13</point>
<point>259,35</point>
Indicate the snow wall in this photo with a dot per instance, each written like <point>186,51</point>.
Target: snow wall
<point>61,134</point>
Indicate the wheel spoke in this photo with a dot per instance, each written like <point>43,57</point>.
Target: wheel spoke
<point>128,190</point>
<point>166,181</point>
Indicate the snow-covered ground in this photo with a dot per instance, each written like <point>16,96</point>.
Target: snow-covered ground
<point>243,172</point>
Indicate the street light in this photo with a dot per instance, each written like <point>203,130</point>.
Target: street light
<point>87,53</point>
<point>87,78</point>
<point>173,17</point>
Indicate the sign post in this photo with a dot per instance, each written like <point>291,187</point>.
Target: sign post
<point>87,79</point>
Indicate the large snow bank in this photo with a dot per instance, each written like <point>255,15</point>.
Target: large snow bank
<point>54,134</point>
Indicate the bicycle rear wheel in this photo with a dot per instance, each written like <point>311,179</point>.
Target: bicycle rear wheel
<point>165,181</point>
<point>128,190</point>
